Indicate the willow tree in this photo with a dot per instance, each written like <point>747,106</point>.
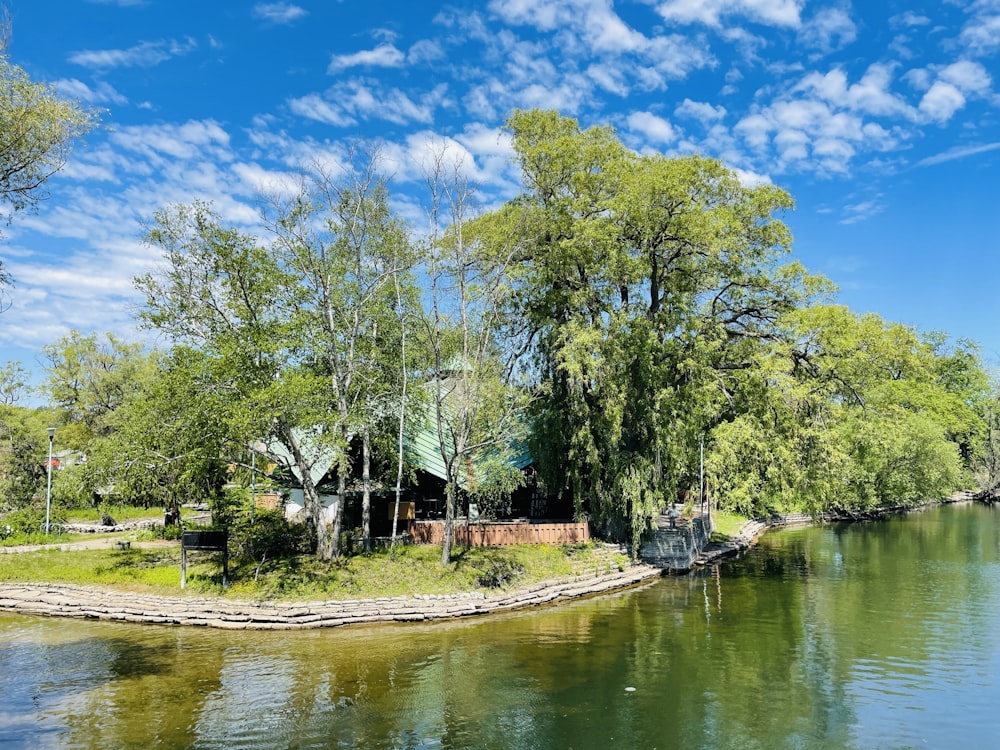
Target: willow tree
<point>650,283</point>
<point>857,413</point>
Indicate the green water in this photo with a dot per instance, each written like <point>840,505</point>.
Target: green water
<point>882,635</point>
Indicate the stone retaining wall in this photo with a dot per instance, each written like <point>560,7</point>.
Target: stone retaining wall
<point>96,528</point>
<point>104,604</point>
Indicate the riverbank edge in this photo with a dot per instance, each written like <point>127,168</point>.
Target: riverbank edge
<point>88,602</point>
<point>752,530</point>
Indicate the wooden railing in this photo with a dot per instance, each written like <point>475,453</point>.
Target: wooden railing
<point>501,534</point>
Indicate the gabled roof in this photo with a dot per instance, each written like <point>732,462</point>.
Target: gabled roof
<point>323,455</point>
<point>424,451</point>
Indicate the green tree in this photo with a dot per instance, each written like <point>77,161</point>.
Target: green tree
<point>349,253</point>
<point>223,295</point>
<point>851,412</point>
<point>38,127</point>
<point>89,377</point>
<point>22,443</point>
<point>651,284</point>
<point>168,442</point>
<point>475,409</point>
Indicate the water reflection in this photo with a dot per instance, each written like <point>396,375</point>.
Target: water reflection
<point>882,635</point>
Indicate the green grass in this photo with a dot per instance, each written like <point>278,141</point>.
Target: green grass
<point>121,513</point>
<point>726,525</point>
<point>412,570</point>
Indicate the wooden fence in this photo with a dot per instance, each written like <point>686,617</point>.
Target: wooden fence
<point>501,534</point>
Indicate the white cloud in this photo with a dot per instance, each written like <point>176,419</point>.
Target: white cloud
<point>870,95</point>
<point>783,13</point>
<point>863,210</point>
<point>611,78</point>
<point>190,140</point>
<point>425,50</point>
<point>910,19</point>
<point>104,93</point>
<point>346,103</point>
<point>949,87</point>
<point>982,34</point>
<point>279,13</point>
<point>702,111</point>
<point>750,178</point>
<point>383,56</point>
<point>592,28</point>
<point>653,128</point>
<point>315,107</point>
<point>258,180</point>
<point>829,30</point>
<point>959,152</point>
<point>942,101</point>
<point>966,75</point>
<point>143,55</point>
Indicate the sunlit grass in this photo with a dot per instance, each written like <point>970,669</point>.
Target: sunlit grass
<point>726,525</point>
<point>120,513</point>
<point>412,570</point>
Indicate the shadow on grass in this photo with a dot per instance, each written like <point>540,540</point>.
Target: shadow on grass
<point>136,560</point>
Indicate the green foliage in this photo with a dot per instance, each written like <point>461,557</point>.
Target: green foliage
<point>23,452</point>
<point>269,536</point>
<point>37,131</point>
<point>89,377</point>
<point>651,283</point>
<point>851,412</point>
<point>27,520</point>
<point>500,573</point>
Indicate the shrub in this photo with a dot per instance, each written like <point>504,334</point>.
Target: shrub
<point>269,536</point>
<point>500,573</point>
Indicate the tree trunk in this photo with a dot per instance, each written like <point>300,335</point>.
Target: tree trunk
<point>338,514</point>
<point>449,523</point>
<point>366,502</point>
<point>310,495</point>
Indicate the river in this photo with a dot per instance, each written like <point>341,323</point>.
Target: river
<point>875,635</point>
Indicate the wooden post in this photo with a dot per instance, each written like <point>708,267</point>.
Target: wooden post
<point>184,565</point>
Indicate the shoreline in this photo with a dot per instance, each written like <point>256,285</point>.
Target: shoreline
<point>88,602</point>
<point>112,605</point>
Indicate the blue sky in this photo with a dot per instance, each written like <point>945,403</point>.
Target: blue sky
<point>880,118</point>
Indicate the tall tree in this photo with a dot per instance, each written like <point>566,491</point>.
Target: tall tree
<point>476,409</point>
<point>349,254</point>
<point>169,441</point>
<point>89,376</point>
<point>224,295</point>
<point>650,283</point>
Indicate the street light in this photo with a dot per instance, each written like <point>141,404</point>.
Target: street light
<point>48,491</point>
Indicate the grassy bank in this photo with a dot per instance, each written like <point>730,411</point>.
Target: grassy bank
<point>726,525</point>
<point>412,570</point>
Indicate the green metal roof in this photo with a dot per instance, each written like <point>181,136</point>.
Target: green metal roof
<point>424,451</point>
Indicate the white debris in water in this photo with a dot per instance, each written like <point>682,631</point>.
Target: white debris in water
<point>630,690</point>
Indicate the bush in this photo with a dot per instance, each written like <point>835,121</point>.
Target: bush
<point>28,520</point>
<point>269,536</point>
<point>500,573</point>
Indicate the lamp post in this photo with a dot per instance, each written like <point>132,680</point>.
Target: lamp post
<point>48,490</point>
